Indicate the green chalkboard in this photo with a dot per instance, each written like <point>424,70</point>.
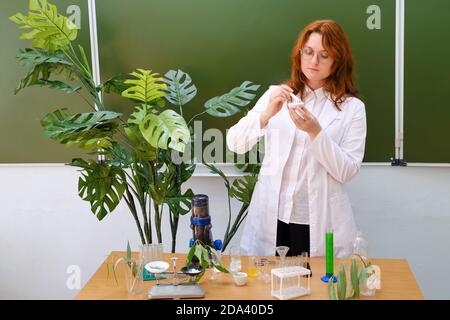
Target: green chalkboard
<point>427,81</point>
<point>220,43</point>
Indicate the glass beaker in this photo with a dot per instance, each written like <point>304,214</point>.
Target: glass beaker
<point>151,252</point>
<point>305,261</point>
<point>266,271</point>
<point>235,258</point>
<point>259,264</point>
<point>253,271</point>
<point>134,278</point>
<point>213,271</point>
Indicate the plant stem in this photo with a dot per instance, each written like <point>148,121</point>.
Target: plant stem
<point>239,219</point>
<point>229,213</point>
<point>198,114</point>
<point>149,218</point>
<point>132,206</point>
<point>174,219</point>
<point>157,222</point>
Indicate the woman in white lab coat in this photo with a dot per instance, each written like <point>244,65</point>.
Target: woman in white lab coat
<point>310,150</point>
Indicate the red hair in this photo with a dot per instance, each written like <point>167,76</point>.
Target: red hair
<point>340,83</point>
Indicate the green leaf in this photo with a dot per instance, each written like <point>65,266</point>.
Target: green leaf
<point>100,184</point>
<point>145,86</point>
<point>166,130</point>
<point>138,116</point>
<point>199,252</point>
<point>49,29</point>
<point>179,204</point>
<point>190,254</point>
<point>42,65</point>
<point>142,148</point>
<point>216,170</point>
<point>363,275</point>
<point>341,283</point>
<point>180,89</point>
<point>128,251</point>
<point>206,260</point>
<point>242,189</point>
<point>186,171</point>
<point>218,265</point>
<point>117,84</point>
<point>120,157</point>
<point>331,289</point>
<point>86,63</point>
<point>85,130</point>
<point>161,186</point>
<point>53,84</point>
<point>354,279</point>
<point>233,101</point>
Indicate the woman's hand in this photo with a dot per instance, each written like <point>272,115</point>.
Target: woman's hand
<point>277,98</point>
<point>308,123</point>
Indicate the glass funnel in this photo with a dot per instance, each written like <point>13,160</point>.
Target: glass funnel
<point>282,251</point>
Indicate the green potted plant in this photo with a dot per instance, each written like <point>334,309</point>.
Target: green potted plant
<point>358,279</point>
<point>138,168</point>
<point>205,256</point>
<point>134,271</point>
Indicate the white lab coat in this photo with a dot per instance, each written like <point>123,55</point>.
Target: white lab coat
<point>336,156</point>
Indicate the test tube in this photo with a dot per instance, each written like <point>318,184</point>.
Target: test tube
<point>329,257</point>
<point>329,252</point>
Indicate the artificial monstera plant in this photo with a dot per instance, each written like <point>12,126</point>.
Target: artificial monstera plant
<point>138,167</point>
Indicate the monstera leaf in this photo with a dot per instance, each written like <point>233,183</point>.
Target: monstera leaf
<point>142,148</point>
<point>100,184</point>
<point>231,102</point>
<point>86,130</point>
<point>166,130</point>
<point>120,157</point>
<point>181,90</point>
<point>242,189</point>
<point>162,184</point>
<point>179,203</point>
<point>186,171</point>
<point>53,84</point>
<point>41,65</point>
<point>145,86</point>
<point>49,29</point>
<point>117,84</point>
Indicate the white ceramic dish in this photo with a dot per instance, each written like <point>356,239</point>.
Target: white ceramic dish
<point>157,266</point>
<point>240,278</point>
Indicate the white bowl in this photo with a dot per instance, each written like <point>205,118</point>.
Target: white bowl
<point>157,266</point>
<point>240,278</point>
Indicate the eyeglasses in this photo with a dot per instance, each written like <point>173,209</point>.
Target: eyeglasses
<point>322,56</point>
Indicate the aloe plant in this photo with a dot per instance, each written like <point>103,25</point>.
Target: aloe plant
<point>338,290</point>
<point>138,167</point>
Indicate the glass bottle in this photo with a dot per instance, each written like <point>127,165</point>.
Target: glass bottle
<point>361,247</point>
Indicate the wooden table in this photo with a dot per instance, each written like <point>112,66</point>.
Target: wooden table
<point>397,282</point>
